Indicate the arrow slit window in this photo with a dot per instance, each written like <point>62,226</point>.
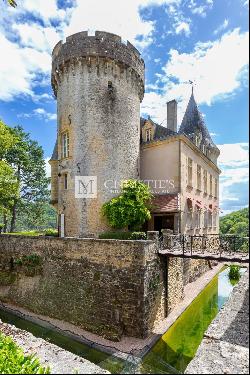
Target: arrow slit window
<point>65,145</point>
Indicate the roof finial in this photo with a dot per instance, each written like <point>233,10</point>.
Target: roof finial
<point>192,83</point>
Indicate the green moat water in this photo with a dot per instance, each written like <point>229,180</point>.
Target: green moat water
<point>171,354</point>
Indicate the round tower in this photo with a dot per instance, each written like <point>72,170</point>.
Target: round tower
<point>99,83</point>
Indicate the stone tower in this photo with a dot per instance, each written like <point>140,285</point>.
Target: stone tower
<point>99,83</point>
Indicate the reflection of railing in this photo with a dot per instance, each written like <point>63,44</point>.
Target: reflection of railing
<point>207,244</point>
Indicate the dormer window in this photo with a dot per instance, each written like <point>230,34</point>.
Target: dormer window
<point>148,135</point>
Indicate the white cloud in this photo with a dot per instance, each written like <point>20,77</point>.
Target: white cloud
<point>28,58</point>
<point>40,113</point>
<point>18,67</point>
<point>234,163</point>
<point>201,7</point>
<point>35,36</point>
<point>222,27</point>
<point>216,71</point>
<point>183,27</point>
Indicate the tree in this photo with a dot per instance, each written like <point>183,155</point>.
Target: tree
<point>9,187</point>
<point>131,208</point>
<point>236,222</point>
<point>27,159</point>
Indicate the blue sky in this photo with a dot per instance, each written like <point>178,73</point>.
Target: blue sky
<point>201,40</point>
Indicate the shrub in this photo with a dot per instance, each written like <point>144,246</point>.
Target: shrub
<point>1,227</point>
<point>234,272</point>
<point>130,209</point>
<point>14,361</point>
<point>51,232</point>
<point>115,235</point>
<point>123,236</point>
<point>138,236</point>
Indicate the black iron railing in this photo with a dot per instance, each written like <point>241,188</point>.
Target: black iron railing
<point>217,244</point>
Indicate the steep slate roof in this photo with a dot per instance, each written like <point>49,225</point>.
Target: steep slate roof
<point>55,153</point>
<point>160,131</point>
<point>193,122</point>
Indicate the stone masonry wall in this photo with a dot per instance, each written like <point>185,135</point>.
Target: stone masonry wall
<point>108,287</point>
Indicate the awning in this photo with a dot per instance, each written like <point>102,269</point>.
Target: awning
<point>165,203</point>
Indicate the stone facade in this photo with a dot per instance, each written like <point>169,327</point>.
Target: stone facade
<point>107,287</point>
<point>99,84</point>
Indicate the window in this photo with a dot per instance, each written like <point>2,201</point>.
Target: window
<point>197,217</point>
<point>210,219</point>
<point>190,172</point>
<point>148,135</point>
<point>215,188</point>
<point>189,219</point>
<point>66,181</point>
<point>65,145</point>
<point>215,219</point>
<point>211,185</point>
<point>205,181</point>
<point>205,219</point>
<point>198,177</point>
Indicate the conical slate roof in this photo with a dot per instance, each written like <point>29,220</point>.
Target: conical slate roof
<point>55,153</point>
<point>193,125</point>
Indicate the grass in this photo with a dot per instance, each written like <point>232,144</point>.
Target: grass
<point>14,361</point>
<point>46,232</point>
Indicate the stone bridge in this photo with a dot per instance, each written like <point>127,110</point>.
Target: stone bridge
<point>218,247</point>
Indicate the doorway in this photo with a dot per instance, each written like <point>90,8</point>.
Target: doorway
<point>163,222</point>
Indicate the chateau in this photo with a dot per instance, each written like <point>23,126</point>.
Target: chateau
<point>99,84</point>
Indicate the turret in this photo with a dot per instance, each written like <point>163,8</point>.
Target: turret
<point>99,83</point>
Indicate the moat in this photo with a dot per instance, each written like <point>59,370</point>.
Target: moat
<point>173,351</point>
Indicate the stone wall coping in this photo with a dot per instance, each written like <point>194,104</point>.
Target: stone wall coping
<point>76,239</point>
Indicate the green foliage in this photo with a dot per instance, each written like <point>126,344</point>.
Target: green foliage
<point>32,260</point>
<point>14,361</point>
<point>236,223</point>
<point>27,160</point>
<point>138,236</point>
<point>234,272</point>
<point>7,139</point>
<point>115,235</point>
<point>51,232</point>
<point>123,236</point>
<point>130,209</point>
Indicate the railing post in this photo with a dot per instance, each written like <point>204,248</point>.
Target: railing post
<point>183,244</point>
<point>191,245</point>
<point>168,238</point>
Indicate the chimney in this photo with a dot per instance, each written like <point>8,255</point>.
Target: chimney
<point>172,115</point>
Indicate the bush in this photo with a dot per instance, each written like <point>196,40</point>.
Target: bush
<point>1,228</point>
<point>123,236</point>
<point>51,232</point>
<point>138,236</point>
<point>234,272</point>
<point>115,235</point>
<point>14,361</point>
<point>131,208</point>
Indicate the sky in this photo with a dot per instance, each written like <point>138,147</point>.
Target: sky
<point>205,41</point>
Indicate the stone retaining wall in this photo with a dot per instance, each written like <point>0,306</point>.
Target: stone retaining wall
<point>108,287</point>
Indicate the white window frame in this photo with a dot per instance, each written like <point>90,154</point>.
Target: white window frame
<point>190,171</point>
<point>198,176</point>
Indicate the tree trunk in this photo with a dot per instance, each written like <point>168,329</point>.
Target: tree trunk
<point>13,218</point>
<point>5,222</point>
